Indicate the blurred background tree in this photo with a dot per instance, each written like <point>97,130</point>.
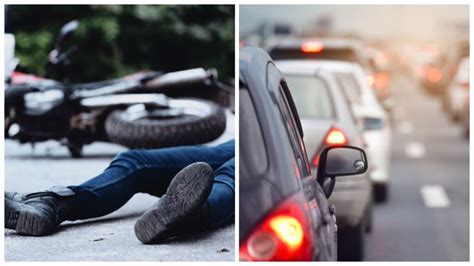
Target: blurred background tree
<point>116,40</point>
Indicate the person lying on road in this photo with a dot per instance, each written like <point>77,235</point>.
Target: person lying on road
<point>195,185</point>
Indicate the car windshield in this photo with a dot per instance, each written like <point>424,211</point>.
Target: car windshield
<point>311,96</point>
<point>350,85</point>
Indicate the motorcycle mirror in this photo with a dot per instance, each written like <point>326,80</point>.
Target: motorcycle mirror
<point>66,30</point>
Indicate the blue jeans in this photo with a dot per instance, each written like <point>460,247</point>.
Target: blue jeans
<point>151,171</point>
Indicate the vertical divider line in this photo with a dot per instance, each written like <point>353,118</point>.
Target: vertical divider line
<point>237,131</point>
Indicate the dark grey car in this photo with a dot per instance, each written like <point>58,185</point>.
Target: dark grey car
<point>284,211</point>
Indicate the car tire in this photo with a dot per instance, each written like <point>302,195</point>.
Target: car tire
<point>151,133</point>
<point>381,192</point>
<point>351,243</point>
<point>454,117</point>
<point>370,219</point>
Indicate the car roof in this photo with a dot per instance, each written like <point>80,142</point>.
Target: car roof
<point>252,63</point>
<point>313,66</point>
<point>319,67</point>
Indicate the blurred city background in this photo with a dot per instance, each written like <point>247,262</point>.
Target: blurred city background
<point>419,71</point>
<point>119,40</point>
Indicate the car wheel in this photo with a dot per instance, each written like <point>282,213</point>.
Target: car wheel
<point>351,243</point>
<point>370,219</point>
<point>454,117</point>
<point>381,192</point>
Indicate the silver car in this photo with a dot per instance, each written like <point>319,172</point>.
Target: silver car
<point>328,119</point>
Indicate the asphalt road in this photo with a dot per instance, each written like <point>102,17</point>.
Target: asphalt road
<point>429,155</point>
<point>109,238</point>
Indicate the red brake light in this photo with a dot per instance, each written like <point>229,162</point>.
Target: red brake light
<point>312,47</point>
<point>466,85</point>
<point>315,161</point>
<point>381,80</point>
<point>433,74</point>
<point>335,137</point>
<point>284,235</point>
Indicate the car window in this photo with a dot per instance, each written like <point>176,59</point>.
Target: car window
<point>254,160</point>
<point>350,86</point>
<point>311,96</point>
<point>371,123</point>
<point>296,140</point>
<point>281,126</point>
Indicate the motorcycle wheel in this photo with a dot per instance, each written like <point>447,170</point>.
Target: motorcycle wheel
<point>186,122</point>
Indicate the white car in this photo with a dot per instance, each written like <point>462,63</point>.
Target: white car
<point>328,120</point>
<point>376,127</point>
<point>456,94</point>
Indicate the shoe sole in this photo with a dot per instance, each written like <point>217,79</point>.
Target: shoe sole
<point>23,221</point>
<point>187,191</point>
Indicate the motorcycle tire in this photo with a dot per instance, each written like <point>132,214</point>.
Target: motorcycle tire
<point>146,133</point>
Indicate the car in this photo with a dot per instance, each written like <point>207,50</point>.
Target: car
<point>267,33</point>
<point>284,213</point>
<point>376,127</point>
<point>328,119</point>
<point>340,49</point>
<point>451,59</point>
<point>455,95</point>
<point>373,61</point>
<point>380,80</point>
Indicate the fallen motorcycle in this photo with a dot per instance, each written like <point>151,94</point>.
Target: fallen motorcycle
<point>133,111</point>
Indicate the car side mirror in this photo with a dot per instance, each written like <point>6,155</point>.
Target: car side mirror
<point>340,161</point>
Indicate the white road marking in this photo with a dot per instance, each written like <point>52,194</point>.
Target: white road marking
<point>434,196</point>
<point>415,150</point>
<point>405,127</point>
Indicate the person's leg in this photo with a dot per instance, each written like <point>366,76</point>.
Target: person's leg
<point>221,199</point>
<point>180,211</point>
<point>148,171</point>
<point>130,172</point>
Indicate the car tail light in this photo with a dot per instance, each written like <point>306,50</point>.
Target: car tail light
<point>381,80</point>
<point>466,85</point>
<point>312,47</point>
<point>334,136</point>
<point>433,74</point>
<point>315,161</point>
<point>284,235</point>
